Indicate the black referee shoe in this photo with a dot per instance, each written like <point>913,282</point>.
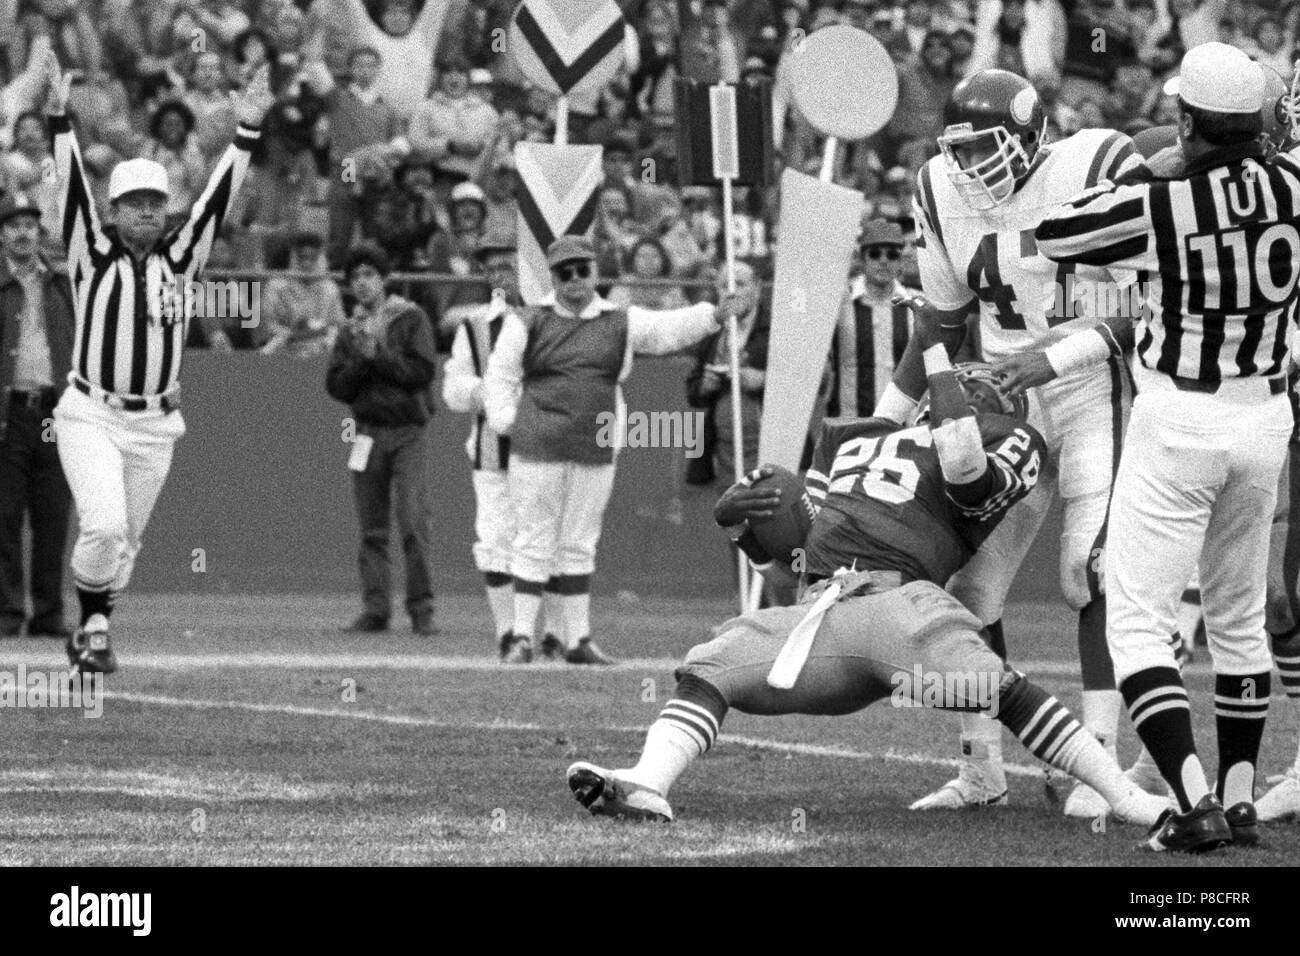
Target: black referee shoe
<point>1200,830</point>
<point>587,653</point>
<point>1243,823</point>
<point>552,649</point>
<point>89,649</point>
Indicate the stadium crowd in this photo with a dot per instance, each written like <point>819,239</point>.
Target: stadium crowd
<point>395,120</point>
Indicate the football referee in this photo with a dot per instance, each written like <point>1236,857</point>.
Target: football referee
<point>132,295</point>
<point>1212,230</point>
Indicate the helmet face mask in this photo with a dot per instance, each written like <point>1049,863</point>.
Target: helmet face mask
<point>990,181</point>
<point>980,381</point>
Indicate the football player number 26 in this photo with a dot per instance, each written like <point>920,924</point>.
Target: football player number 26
<point>876,467</point>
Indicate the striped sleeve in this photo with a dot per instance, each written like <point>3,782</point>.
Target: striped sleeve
<point>1015,465</point>
<point>190,246</point>
<point>1111,157</point>
<point>816,479</point>
<point>80,230</point>
<point>1107,225</point>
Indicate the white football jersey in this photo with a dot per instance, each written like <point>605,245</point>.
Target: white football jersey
<point>1026,300</point>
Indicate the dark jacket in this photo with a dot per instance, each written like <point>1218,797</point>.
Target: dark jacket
<point>700,471</point>
<point>60,328</point>
<point>395,387</point>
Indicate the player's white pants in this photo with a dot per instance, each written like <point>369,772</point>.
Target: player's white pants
<point>1197,469</point>
<point>115,463</point>
<point>559,506</point>
<point>1082,418</point>
<point>494,521</point>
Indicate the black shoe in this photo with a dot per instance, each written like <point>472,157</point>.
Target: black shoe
<point>53,629</point>
<point>516,649</point>
<point>423,624</point>
<point>366,624</point>
<point>552,649</point>
<point>587,653</point>
<point>1200,830</point>
<point>1243,823</point>
<point>90,651</point>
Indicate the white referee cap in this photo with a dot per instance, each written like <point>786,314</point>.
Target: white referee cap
<point>1218,78</point>
<point>134,175</point>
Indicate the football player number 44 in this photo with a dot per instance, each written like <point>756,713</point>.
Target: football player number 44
<point>984,275</point>
<point>876,466</point>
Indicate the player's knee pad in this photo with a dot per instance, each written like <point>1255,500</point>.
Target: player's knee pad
<point>1083,544</point>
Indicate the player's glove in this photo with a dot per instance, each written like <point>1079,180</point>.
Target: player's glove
<point>742,501</point>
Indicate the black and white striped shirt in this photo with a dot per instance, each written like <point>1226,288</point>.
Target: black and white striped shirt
<point>130,332</point>
<point>1218,250</point>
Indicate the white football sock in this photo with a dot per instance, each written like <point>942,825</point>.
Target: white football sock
<point>1193,777</point>
<point>501,600</point>
<point>553,615</point>
<point>669,750</point>
<point>526,608</point>
<point>1101,717</point>
<point>1239,784</point>
<point>577,618</point>
<point>981,739</point>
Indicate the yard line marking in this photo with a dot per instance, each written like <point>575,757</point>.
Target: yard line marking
<point>405,720</point>
<point>167,661</point>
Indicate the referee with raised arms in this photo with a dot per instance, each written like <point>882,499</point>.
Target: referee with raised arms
<point>132,293</point>
<point>1211,229</point>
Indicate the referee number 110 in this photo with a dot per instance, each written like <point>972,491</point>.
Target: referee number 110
<point>1242,264</point>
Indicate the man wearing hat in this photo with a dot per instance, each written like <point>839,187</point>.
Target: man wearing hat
<point>1214,229</point>
<point>553,386</point>
<point>872,331</point>
<point>383,366</point>
<point>36,330</point>
<point>489,453</point>
<point>132,287</point>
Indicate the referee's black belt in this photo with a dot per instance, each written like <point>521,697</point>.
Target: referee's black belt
<point>1276,386</point>
<point>43,397</point>
<point>127,403</point>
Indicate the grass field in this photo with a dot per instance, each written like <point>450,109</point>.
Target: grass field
<point>246,730</point>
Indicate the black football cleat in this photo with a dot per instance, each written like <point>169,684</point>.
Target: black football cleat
<point>89,649</point>
<point>1243,823</point>
<point>1200,830</point>
<point>587,653</point>
<point>552,649</point>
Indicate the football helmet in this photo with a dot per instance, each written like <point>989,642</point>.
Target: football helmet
<point>980,382</point>
<point>1280,112</point>
<point>996,116</point>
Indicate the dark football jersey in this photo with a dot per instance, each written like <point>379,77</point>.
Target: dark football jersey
<point>884,504</point>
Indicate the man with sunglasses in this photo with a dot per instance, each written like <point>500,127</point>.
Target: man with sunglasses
<point>872,331</point>
<point>552,385</point>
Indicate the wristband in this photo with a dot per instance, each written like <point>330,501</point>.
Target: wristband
<point>936,360</point>
<point>894,404</point>
<point>1078,352</point>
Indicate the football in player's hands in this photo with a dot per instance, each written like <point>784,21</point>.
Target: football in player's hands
<point>787,527</point>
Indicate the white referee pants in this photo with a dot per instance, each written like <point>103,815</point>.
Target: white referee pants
<point>115,463</point>
<point>494,521</point>
<point>559,507</point>
<point>1197,480</point>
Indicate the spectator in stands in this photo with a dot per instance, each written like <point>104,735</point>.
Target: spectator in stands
<point>453,250</point>
<point>383,365</point>
<point>709,384</point>
<point>222,20</point>
<point>674,234</point>
<point>36,333</point>
<point>69,27</point>
<point>207,95</point>
<point>250,50</point>
<point>616,230</point>
<point>710,49</point>
<point>171,145</point>
<point>406,44</point>
<point>650,88</point>
<point>403,216</point>
<point>302,316</point>
<point>501,186</point>
<point>362,127</point>
<point>453,127</point>
<point>20,90</point>
<point>647,260</point>
<point>1273,46</point>
<point>923,88</point>
<point>1024,36</point>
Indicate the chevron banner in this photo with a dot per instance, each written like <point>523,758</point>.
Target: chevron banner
<point>559,196</point>
<point>568,46</point>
